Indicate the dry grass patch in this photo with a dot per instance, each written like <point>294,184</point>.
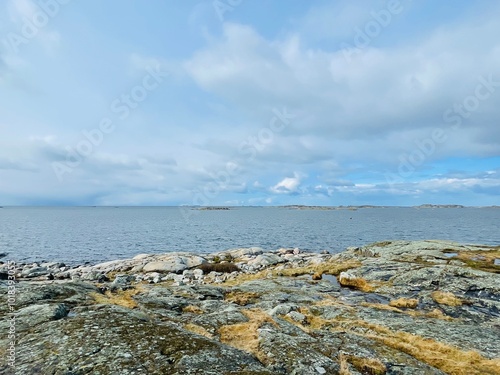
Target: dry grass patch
<point>121,298</point>
<point>483,260</point>
<point>193,309</point>
<point>344,366</point>
<point>330,267</point>
<point>332,301</point>
<point>242,298</point>
<point>312,322</point>
<point>449,359</point>
<point>368,366</point>
<point>434,314</point>
<point>407,303</point>
<point>244,336</point>
<point>446,298</point>
<point>218,267</point>
<point>198,330</point>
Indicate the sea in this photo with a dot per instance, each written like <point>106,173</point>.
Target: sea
<point>79,235</point>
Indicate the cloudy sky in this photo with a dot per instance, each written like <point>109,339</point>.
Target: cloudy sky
<point>249,102</point>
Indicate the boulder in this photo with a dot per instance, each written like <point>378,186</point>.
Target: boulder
<point>265,260</point>
<point>174,264</point>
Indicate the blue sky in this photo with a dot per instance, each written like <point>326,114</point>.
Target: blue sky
<point>258,102</point>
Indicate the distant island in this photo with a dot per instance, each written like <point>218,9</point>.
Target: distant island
<point>305,207</point>
<point>328,208</point>
<point>212,208</point>
<point>440,206</point>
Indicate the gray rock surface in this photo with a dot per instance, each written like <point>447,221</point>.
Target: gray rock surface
<point>408,308</point>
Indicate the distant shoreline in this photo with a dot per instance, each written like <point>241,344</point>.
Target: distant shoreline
<point>291,206</point>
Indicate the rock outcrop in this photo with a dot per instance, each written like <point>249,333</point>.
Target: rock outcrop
<point>394,307</point>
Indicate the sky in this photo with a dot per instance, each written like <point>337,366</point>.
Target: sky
<point>249,102</point>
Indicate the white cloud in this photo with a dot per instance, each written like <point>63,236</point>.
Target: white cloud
<point>395,92</point>
<point>288,185</point>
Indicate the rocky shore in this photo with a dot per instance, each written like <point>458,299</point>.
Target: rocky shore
<point>394,307</point>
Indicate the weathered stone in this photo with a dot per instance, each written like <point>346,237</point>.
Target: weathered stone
<point>265,260</point>
<point>141,256</point>
<point>35,272</point>
<point>174,264</point>
<point>121,280</point>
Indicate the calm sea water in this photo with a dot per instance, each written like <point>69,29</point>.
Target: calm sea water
<point>76,235</point>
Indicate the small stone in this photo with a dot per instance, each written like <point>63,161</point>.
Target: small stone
<point>188,274</point>
<point>296,251</point>
<point>282,309</point>
<point>320,370</point>
<point>123,279</point>
<point>198,274</point>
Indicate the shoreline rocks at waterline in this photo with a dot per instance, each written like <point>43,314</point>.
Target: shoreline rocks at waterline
<point>393,307</point>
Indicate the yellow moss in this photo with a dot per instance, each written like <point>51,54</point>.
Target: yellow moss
<point>438,314</point>
<point>317,276</point>
<point>121,298</point>
<point>244,336</point>
<point>198,330</point>
<point>357,283</point>
<point>242,298</point>
<point>446,298</point>
<point>193,309</point>
<point>410,303</point>
<point>369,366</point>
